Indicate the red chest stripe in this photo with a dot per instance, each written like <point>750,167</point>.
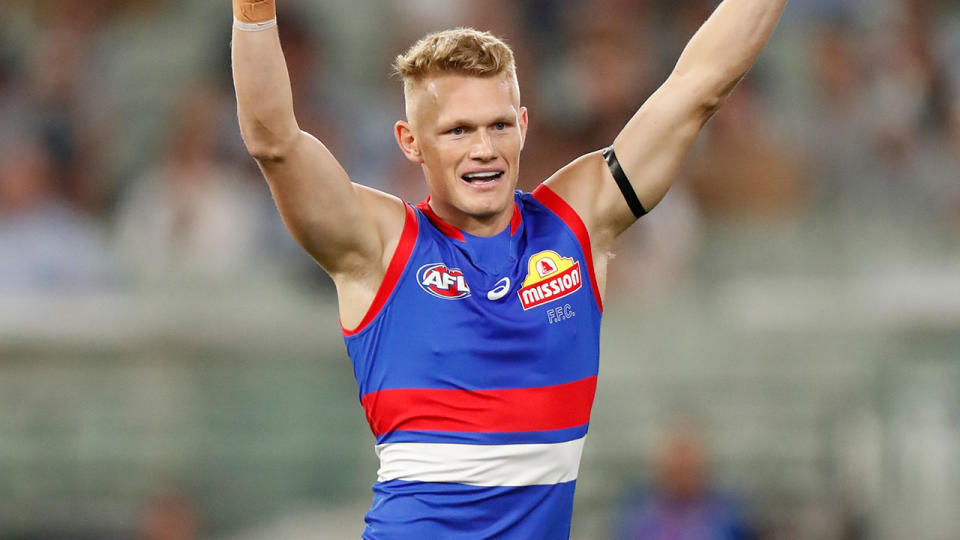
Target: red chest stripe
<point>484,411</point>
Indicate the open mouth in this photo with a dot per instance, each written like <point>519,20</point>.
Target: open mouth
<point>480,178</point>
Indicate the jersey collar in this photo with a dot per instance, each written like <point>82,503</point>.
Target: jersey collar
<point>455,233</point>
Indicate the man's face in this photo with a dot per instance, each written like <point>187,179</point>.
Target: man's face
<point>467,132</point>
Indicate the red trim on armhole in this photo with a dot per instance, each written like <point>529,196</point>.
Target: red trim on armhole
<point>569,216</point>
<point>408,238</point>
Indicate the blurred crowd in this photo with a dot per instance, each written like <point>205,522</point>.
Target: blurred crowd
<point>121,163</point>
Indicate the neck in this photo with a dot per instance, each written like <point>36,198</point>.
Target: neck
<point>486,225</point>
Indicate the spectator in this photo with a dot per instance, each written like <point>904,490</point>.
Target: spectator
<point>45,244</point>
<point>190,217</point>
<point>769,185</point>
<point>170,516</point>
<point>682,505</point>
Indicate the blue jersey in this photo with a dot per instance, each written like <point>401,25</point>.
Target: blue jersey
<point>477,366</point>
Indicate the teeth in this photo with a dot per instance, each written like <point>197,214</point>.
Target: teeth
<point>489,174</point>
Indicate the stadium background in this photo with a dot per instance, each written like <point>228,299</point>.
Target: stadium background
<point>168,357</point>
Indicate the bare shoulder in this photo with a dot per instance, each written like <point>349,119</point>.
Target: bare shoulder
<point>584,184</point>
<point>360,279</point>
<point>388,215</point>
<point>380,203</point>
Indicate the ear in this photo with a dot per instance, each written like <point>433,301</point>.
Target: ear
<point>408,143</point>
<point>523,126</point>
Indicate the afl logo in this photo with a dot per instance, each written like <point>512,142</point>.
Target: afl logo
<point>442,282</point>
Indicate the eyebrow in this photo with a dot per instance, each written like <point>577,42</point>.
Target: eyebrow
<point>505,118</point>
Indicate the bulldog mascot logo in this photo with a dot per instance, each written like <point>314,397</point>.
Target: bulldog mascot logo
<point>549,277</point>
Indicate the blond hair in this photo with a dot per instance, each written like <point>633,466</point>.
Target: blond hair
<point>461,50</point>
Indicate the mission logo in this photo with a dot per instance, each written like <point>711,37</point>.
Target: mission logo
<point>442,282</point>
<point>549,277</point>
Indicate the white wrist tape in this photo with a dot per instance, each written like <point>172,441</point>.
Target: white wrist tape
<point>255,26</point>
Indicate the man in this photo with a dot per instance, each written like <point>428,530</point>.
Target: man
<point>682,504</point>
<point>472,319</point>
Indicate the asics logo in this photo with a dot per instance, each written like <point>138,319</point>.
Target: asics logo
<point>499,290</point>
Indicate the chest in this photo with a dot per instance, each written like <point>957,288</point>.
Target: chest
<point>541,283</point>
<point>523,315</point>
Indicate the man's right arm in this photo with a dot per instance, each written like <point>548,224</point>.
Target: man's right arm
<point>347,228</point>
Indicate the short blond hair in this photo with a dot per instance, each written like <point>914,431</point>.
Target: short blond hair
<point>461,50</point>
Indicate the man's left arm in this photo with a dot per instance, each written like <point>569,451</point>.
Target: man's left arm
<point>650,148</point>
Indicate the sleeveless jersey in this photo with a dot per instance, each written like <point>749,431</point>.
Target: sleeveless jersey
<point>477,366</point>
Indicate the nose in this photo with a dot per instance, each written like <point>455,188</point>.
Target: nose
<point>482,147</point>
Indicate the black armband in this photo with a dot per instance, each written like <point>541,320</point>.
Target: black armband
<point>623,183</point>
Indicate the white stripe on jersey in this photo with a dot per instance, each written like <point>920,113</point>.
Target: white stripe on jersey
<point>481,464</point>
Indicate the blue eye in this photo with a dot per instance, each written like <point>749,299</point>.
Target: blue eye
<point>457,131</point>
<point>500,126</point>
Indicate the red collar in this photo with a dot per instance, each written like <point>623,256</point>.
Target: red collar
<point>455,233</point>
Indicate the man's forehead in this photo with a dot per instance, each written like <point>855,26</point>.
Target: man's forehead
<point>438,94</point>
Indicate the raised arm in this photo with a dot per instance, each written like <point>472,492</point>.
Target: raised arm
<point>347,228</point>
<point>650,148</point>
